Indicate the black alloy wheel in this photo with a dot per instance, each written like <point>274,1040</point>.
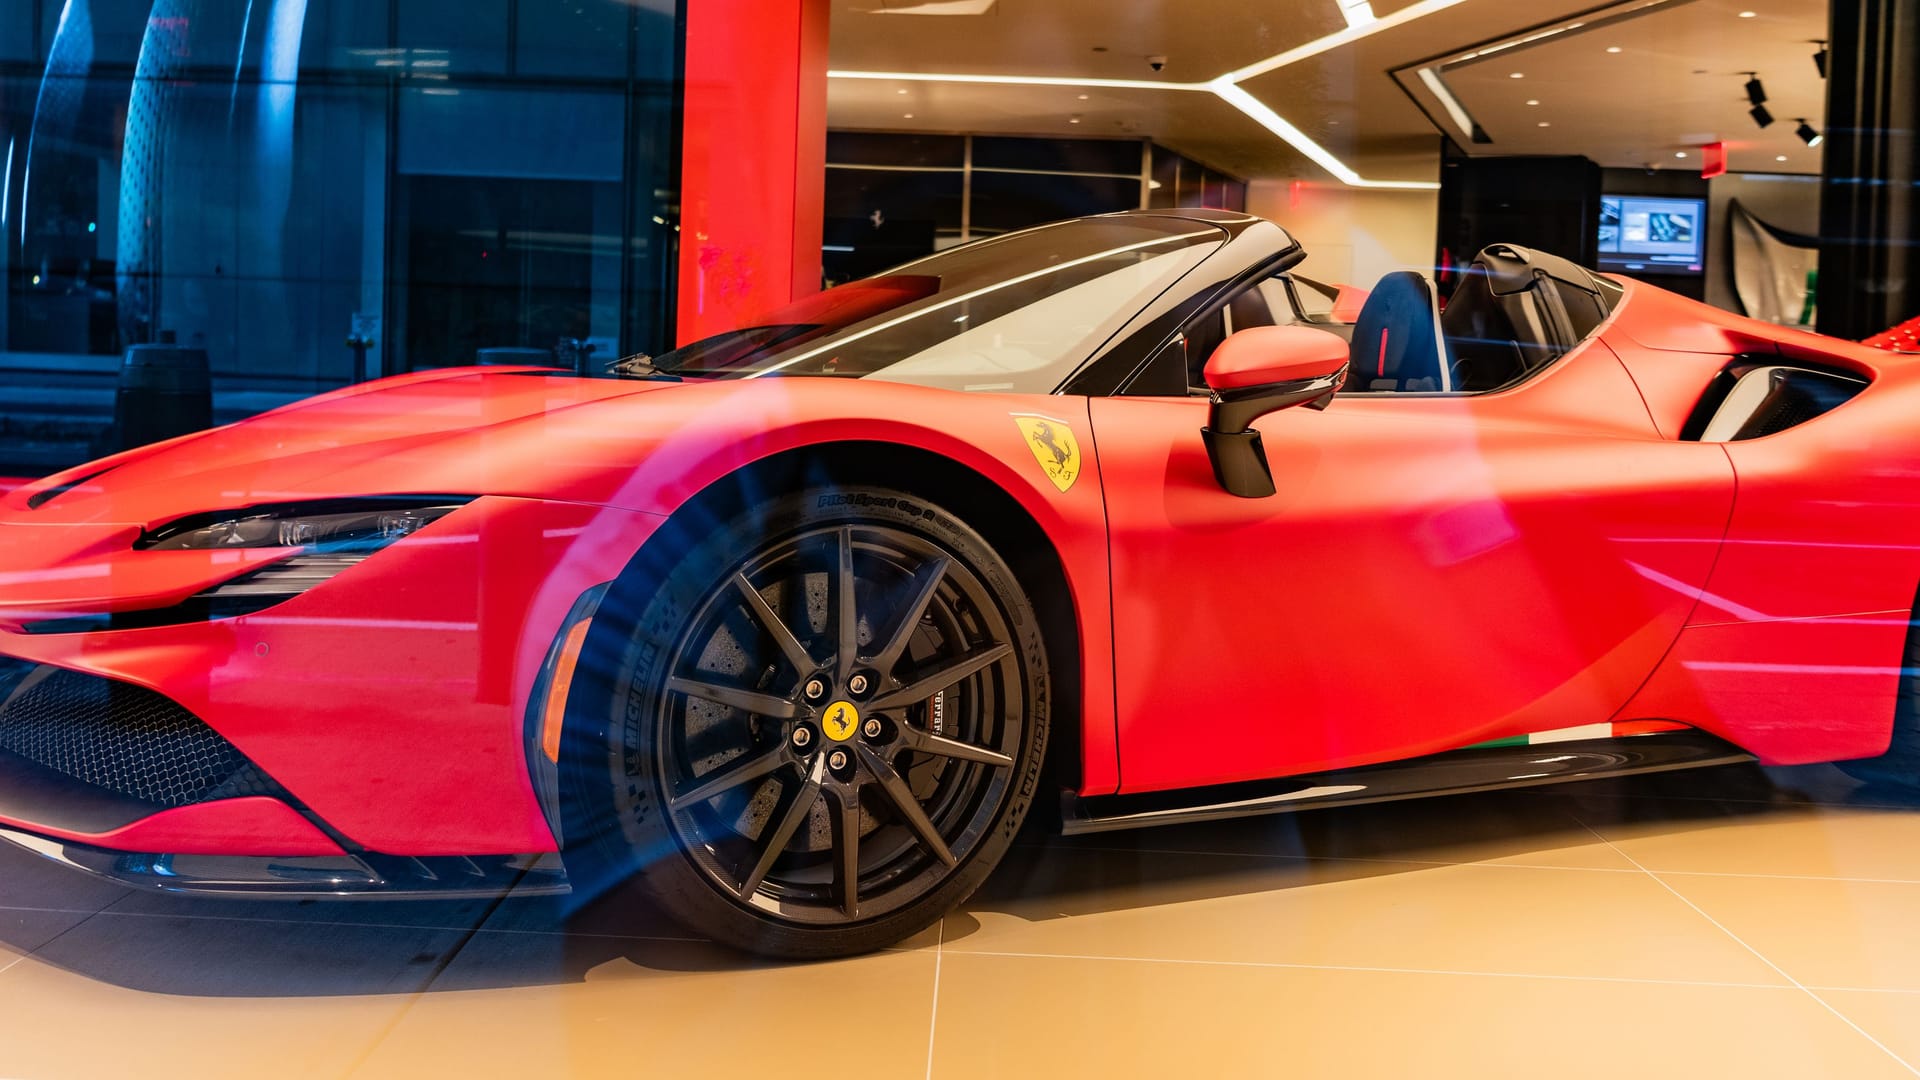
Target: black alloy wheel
<point>830,724</point>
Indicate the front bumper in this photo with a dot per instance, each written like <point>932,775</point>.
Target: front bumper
<point>124,784</point>
<point>387,705</point>
<point>94,761</point>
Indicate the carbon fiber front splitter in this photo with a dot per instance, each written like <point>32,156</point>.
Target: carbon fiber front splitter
<point>347,876</point>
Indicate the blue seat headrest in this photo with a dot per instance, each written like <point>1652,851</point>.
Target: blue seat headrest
<point>1397,342</point>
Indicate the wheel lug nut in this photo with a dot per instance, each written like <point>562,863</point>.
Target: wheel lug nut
<point>871,729</point>
<point>815,688</point>
<point>857,684</point>
<point>837,760</point>
<point>801,736</point>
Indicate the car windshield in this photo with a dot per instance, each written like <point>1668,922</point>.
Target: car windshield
<point>1016,313</point>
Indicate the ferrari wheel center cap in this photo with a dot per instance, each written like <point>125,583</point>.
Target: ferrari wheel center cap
<point>840,721</point>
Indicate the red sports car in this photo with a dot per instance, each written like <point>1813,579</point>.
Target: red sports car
<point>800,622</point>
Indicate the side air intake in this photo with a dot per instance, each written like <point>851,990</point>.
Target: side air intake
<point>120,738</point>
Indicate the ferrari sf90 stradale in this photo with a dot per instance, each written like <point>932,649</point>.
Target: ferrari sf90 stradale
<point>1120,518</point>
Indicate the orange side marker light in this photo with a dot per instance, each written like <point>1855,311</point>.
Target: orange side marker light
<point>554,717</point>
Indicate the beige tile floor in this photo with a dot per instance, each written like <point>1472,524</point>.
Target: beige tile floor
<point>1729,923</point>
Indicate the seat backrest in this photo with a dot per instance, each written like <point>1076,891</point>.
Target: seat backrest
<point>1516,310</point>
<point>1397,344</point>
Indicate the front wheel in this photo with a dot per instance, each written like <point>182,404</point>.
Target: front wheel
<point>827,724</point>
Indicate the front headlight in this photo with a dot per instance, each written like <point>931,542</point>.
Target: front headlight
<point>346,527</point>
<point>320,539</point>
<point>327,538</point>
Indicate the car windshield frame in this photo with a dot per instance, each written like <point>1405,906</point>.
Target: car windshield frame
<point>1076,283</point>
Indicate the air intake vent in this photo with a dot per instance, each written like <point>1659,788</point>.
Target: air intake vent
<point>122,738</point>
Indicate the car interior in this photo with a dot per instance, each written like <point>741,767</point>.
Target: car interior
<point>1513,312</point>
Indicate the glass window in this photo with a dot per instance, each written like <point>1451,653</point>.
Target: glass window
<point>342,176</point>
<point>449,37</point>
<point>876,218</point>
<point>571,37</point>
<point>1164,183</point>
<point>112,30</point>
<point>16,31</point>
<point>875,148</point>
<point>1121,156</point>
<point>509,217</point>
<point>1016,314</point>
<point>351,35</point>
<point>524,133</point>
<point>656,46</point>
<point>1006,201</point>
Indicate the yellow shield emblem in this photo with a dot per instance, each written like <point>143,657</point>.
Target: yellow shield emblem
<point>840,721</point>
<point>1053,446</point>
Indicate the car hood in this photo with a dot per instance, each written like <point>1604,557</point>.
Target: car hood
<point>365,440</point>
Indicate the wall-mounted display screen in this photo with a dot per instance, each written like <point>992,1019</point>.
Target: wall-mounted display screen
<point>1653,235</point>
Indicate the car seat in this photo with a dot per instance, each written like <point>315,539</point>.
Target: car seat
<point>1397,344</point>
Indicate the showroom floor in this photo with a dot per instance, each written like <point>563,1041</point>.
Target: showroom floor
<point>1708,924</point>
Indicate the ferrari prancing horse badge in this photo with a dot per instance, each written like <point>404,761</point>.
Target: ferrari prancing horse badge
<point>1053,446</point>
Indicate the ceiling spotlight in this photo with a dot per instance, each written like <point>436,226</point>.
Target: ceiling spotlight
<point>1084,97</point>
<point>1748,14</point>
<point>1808,135</point>
<point>1679,153</point>
<point>906,116</point>
<point>1780,157</point>
<point>1543,123</point>
<point>1533,101</point>
<point>1761,116</point>
<point>1613,48</point>
<point>1755,92</point>
<point>1820,58</point>
<point>902,90</point>
<point>1518,75</point>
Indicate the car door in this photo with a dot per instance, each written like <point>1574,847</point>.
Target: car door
<point>1433,571</point>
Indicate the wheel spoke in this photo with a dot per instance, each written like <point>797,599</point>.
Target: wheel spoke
<point>908,807</point>
<point>730,778</point>
<point>736,697</point>
<point>774,625</point>
<point>847,619</point>
<point>927,686</point>
<point>846,846</point>
<point>790,823</point>
<point>910,617</point>
<point>930,743</point>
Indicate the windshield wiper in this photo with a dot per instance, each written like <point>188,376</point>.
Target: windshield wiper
<point>640,366</point>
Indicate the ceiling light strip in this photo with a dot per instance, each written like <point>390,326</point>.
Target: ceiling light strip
<point>1257,111</point>
<point>1226,87</point>
<point>1014,80</point>
<point>1338,38</point>
<point>1455,111</point>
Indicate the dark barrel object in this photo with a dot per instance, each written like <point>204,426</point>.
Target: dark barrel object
<point>164,391</point>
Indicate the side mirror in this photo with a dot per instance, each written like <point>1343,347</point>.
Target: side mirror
<point>1257,371</point>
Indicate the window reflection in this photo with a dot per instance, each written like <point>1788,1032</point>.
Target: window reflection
<point>265,179</point>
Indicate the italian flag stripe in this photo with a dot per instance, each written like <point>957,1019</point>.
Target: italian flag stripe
<point>1620,730</point>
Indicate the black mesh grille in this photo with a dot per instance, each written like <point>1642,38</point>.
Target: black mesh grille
<point>123,738</point>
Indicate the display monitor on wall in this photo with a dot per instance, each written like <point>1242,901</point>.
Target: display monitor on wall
<point>1652,235</point>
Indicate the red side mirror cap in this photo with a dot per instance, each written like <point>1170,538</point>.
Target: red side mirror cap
<point>1265,355</point>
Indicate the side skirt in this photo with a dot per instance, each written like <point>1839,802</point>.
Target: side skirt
<point>1450,773</point>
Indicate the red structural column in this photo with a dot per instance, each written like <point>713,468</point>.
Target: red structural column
<point>753,160</point>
